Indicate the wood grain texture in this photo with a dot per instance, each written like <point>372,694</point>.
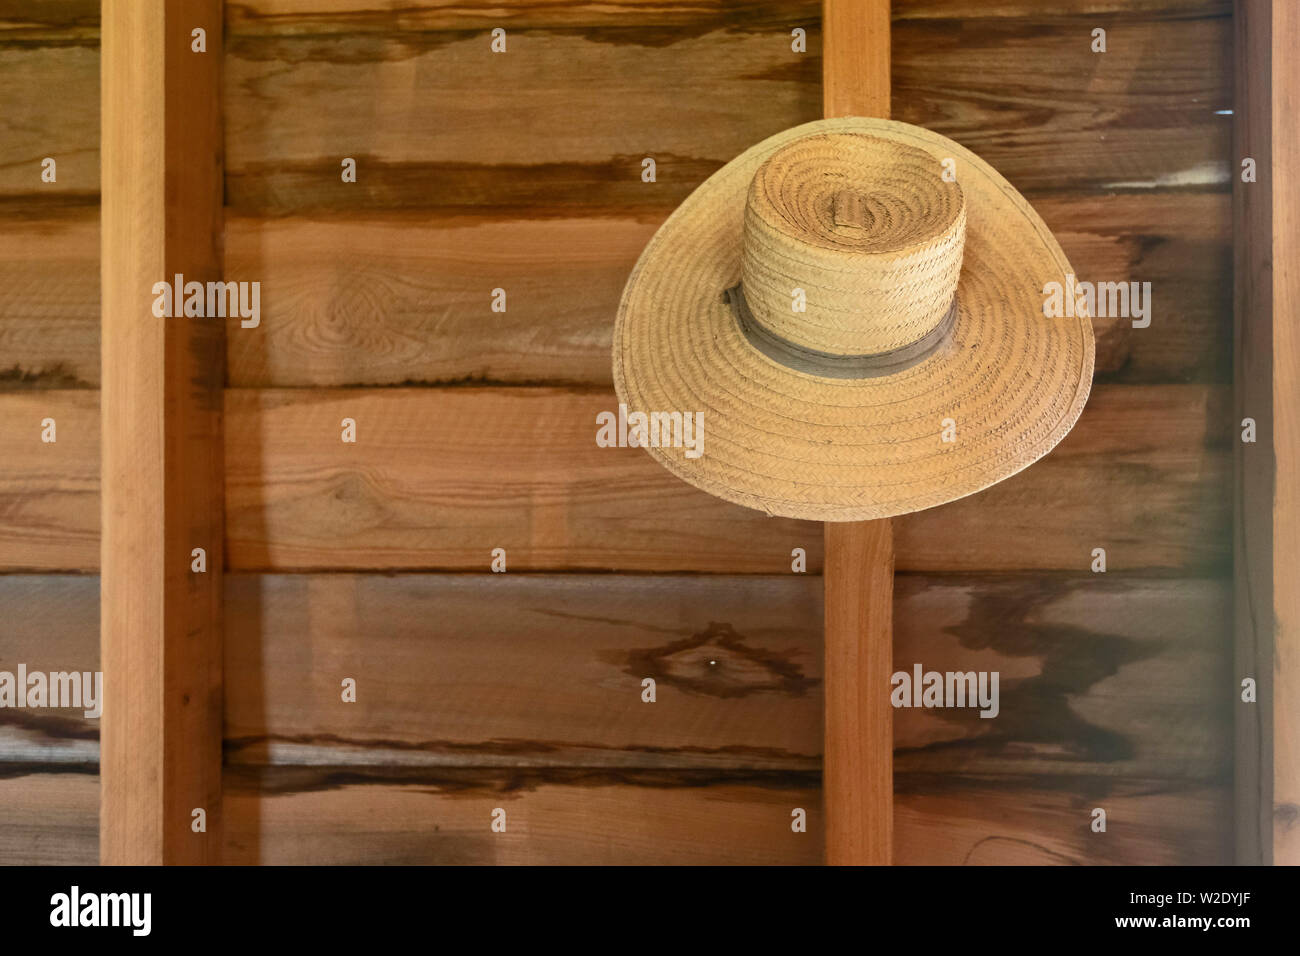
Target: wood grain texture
<point>1031,98</point>
<point>440,477</point>
<point>858,578</point>
<point>49,297</point>
<point>1020,88</point>
<point>1254,465</point>
<point>1028,95</point>
<point>1267,489</point>
<point>50,623</point>
<point>965,821</point>
<point>51,816</point>
<point>1106,684</point>
<point>49,492</point>
<point>855,58</point>
<point>161,426</point>
<point>398,298</point>
<point>260,16</point>
<point>1102,675</point>
<point>49,107</point>
<point>1285,171</point>
<point>858,753</point>
<point>320,816</point>
<point>564,117</point>
<point>402,299</point>
<point>330,815</point>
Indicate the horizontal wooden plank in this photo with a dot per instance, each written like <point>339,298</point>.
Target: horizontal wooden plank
<point>319,816</point>
<point>1181,243</point>
<point>1030,97</point>
<point>49,492</point>
<point>50,816</point>
<point>403,91</point>
<point>49,107</point>
<point>1099,675</point>
<point>49,298</point>
<point>973,821</point>
<point>49,623</point>
<point>564,117</point>
<point>21,20</point>
<point>303,16</point>
<point>978,9</point>
<point>401,299</point>
<point>359,16</point>
<point>333,816</point>
<point>430,128</point>
<point>440,477</point>
<point>437,479</point>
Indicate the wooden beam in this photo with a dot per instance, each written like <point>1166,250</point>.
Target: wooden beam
<point>858,762</point>
<point>855,58</point>
<point>161,435</point>
<point>1267,378</point>
<point>858,755</point>
<point>1266,539</point>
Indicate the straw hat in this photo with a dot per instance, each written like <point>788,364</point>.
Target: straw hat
<point>860,337</point>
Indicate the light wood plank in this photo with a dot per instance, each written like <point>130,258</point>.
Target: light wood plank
<point>1028,95</point>
<point>51,817</point>
<point>1267,496</point>
<point>322,815</point>
<point>858,755</point>
<point>161,422</point>
<point>1254,465</point>
<point>397,298</point>
<point>439,477</point>
<point>260,16</point>
<point>49,491</point>
<point>1100,675</point>
<point>1285,172</point>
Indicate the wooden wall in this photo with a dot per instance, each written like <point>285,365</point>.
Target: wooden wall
<point>475,431</point>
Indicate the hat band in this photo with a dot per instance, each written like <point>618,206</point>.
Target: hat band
<point>830,364</point>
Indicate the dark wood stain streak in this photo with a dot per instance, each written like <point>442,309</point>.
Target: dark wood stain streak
<point>478,782</point>
<point>63,206</point>
<point>716,662</point>
<point>12,770</point>
<point>498,747</point>
<point>50,726</point>
<point>518,190</point>
<point>1017,90</point>
<point>55,375</point>
<point>1037,847</point>
<point>633,24</point>
<point>1037,710</point>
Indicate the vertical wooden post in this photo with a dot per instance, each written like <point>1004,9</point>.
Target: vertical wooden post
<point>858,575</point>
<point>160,631</point>
<point>1267,389</point>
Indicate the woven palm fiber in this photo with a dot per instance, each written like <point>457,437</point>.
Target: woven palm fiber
<point>931,291</point>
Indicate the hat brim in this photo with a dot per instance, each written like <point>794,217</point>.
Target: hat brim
<point>1003,389</point>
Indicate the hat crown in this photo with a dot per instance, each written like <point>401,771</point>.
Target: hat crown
<point>852,244</point>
